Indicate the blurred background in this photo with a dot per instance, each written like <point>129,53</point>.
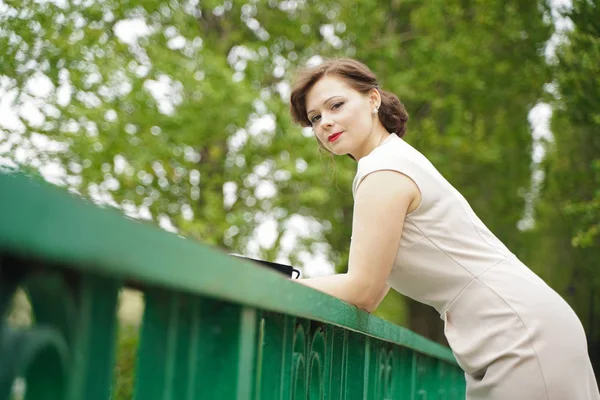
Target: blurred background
<point>176,112</point>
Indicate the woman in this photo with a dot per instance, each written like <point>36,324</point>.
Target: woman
<point>513,335</point>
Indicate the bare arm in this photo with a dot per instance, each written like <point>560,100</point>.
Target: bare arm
<point>380,207</point>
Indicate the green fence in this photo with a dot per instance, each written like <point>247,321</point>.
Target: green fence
<point>213,327</point>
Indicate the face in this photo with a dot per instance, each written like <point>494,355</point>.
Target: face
<point>333,107</point>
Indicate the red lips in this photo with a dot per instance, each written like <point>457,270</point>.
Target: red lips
<point>335,136</point>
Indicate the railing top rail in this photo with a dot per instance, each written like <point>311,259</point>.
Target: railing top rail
<point>45,222</point>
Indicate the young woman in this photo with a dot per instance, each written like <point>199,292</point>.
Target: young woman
<point>513,335</point>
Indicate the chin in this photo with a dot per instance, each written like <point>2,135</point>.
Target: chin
<point>339,149</point>
<point>338,152</point>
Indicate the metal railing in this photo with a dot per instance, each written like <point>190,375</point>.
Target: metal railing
<point>213,327</point>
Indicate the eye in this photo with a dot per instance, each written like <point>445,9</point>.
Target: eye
<point>337,105</point>
<point>314,119</point>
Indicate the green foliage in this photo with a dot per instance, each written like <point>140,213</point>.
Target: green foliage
<point>126,359</point>
<point>587,213</point>
<point>468,73</point>
<point>579,103</point>
<point>568,210</point>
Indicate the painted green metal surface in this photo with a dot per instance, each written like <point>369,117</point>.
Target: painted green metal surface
<point>214,327</point>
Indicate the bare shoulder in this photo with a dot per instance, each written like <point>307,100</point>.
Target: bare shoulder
<point>390,189</point>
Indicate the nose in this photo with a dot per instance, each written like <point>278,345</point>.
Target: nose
<point>326,121</point>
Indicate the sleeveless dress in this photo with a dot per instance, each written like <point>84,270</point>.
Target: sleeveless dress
<point>512,334</point>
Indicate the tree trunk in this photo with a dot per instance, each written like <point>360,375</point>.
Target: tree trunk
<point>425,321</point>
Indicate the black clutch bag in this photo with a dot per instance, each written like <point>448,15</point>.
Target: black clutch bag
<point>287,270</point>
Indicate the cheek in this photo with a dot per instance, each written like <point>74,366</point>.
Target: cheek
<point>358,118</point>
<point>319,136</point>
<point>359,114</point>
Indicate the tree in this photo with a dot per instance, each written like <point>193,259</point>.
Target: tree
<point>568,210</point>
<point>189,122</point>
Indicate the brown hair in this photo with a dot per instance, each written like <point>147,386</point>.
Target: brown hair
<point>392,114</point>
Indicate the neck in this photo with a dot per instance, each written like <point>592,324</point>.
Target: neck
<point>371,143</point>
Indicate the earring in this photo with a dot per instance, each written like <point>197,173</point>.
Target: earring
<point>375,110</point>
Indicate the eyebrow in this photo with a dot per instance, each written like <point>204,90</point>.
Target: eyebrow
<point>325,102</point>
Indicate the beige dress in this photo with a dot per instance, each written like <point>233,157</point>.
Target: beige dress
<point>512,334</point>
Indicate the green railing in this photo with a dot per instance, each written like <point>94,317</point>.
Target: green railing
<point>213,327</point>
